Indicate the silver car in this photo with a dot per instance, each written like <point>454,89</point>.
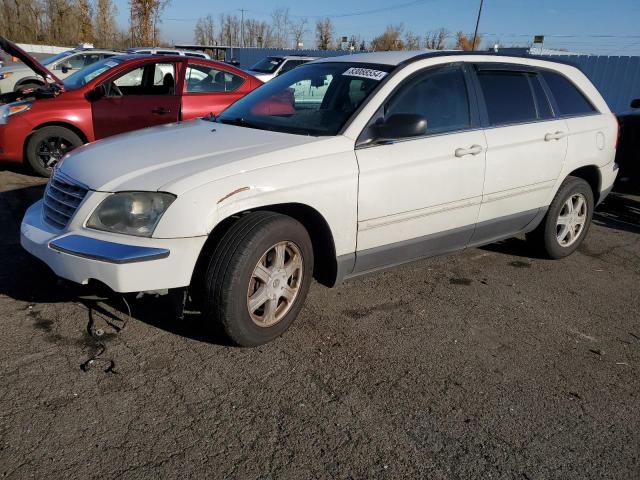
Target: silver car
<point>19,76</point>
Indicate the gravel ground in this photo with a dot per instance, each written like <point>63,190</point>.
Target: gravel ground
<point>490,363</point>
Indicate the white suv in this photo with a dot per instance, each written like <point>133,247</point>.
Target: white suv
<point>270,67</point>
<point>335,169</point>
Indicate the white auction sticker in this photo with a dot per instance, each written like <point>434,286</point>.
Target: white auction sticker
<point>365,73</point>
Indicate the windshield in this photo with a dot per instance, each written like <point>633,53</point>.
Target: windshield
<point>55,58</point>
<point>267,65</point>
<point>313,99</point>
<point>84,76</point>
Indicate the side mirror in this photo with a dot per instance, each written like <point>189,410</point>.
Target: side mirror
<point>66,67</point>
<point>400,125</point>
<point>635,103</point>
<point>97,93</point>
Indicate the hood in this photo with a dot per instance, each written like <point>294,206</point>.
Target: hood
<point>15,51</point>
<point>176,157</point>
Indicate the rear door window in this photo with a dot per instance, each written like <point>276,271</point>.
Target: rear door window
<point>570,100</point>
<point>508,97</point>
<point>205,79</point>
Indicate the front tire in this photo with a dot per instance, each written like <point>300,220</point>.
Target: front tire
<point>567,221</point>
<point>258,277</point>
<point>47,146</point>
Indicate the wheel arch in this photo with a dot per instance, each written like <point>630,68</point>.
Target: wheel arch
<point>591,175</point>
<point>325,261</point>
<point>25,80</point>
<point>78,131</point>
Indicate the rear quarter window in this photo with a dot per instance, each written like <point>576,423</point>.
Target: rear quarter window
<point>570,100</point>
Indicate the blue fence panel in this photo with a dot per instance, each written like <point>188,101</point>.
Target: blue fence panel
<point>617,78</point>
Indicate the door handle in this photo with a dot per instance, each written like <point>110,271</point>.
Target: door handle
<point>554,136</point>
<point>161,111</point>
<point>473,150</point>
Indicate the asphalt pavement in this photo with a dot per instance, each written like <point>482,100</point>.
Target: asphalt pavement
<point>489,363</point>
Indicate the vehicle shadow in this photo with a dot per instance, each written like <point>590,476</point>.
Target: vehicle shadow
<point>27,279</point>
<point>516,247</point>
<point>16,167</point>
<point>617,212</point>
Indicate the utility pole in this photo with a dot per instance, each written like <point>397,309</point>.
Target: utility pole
<point>475,34</point>
<point>242,10</point>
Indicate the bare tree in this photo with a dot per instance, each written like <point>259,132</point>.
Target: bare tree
<point>435,40</point>
<point>280,23</point>
<point>85,13</point>
<point>62,21</point>
<point>203,34</point>
<point>298,29</point>
<point>145,19</point>
<point>259,33</point>
<point>411,41</point>
<point>464,42</point>
<point>229,28</point>
<point>105,29</point>
<point>324,33</point>
<point>356,42</point>
<point>390,39</point>
<point>23,21</point>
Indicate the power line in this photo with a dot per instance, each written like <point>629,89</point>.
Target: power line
<point>337,15</point>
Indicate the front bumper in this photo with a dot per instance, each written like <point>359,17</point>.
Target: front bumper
<point>12,137</point>
<point>140,264</point>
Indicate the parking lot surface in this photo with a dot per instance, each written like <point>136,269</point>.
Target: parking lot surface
<point>491,363</point>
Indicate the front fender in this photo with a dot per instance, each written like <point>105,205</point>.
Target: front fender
<point>328,184</point>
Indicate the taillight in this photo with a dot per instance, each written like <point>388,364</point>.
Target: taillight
<point>617,131</point>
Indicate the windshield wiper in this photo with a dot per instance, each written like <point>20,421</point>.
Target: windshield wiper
<point>238,121</point>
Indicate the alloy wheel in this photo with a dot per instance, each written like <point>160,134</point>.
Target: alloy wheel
<point>51,150</point>
<point>572,220</point>
<point>275,284</point>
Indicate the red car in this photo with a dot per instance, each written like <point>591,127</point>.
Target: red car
<point>111,96</point>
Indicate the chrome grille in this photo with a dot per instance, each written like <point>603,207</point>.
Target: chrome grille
<point>62,198</point>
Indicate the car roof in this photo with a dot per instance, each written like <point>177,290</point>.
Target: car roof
<point>399,58</point>
<point>92,50</point>
<point>176,51</point>
<point>299,57</point>
<point>139,58</point>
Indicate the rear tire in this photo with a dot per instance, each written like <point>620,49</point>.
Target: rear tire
<point>258,277</point>
<point>47,146</point>
<point>567,221</point>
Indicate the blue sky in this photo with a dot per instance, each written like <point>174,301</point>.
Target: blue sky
<point>589,26</point>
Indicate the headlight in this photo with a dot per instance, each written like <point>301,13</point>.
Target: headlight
<point>131,213</point>
<point>10,109</point>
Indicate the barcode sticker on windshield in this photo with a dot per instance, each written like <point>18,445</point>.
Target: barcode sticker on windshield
<point>365,73</point>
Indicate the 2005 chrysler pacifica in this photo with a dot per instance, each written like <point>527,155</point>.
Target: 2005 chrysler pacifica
<point>337,168</point>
